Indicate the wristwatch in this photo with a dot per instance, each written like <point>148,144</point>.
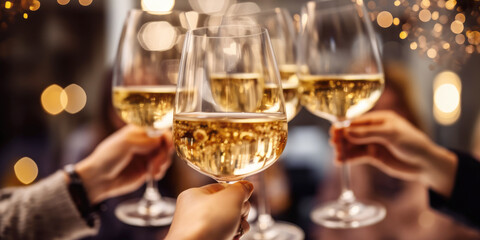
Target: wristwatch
<point>79,196</point>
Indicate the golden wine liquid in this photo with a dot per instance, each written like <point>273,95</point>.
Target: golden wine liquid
<point>340,97</point>
<point>270,103</point>
<point>230,147</point>
<point>238,92</point>
<point>145,106</point>
<point>287,71</point>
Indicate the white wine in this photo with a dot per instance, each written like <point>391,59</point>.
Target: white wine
<point>287,71</point>
<point>270,103</point>
<point>230,147</point>
<point>145,106</point>
<point>340,97</point>
<point>238,92</point>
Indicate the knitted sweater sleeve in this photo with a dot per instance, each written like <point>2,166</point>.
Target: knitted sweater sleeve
<point>43,210</point>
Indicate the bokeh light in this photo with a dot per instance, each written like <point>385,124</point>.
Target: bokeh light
<point>26,170</point>
<point>384,19</point>
<point>456,27</point>
<point>8,5</point>
<point>157,36</point>
<point>51,99</point>
<point>157,5</point>
<point>85,2</point>
<point>76,99</point>
<point>447,89</point>
<point>63,2</point>
<point>34,6</point>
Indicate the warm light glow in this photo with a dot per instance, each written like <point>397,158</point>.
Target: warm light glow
<point>456,27</point>
<point>26,170</point>
<point>470,49</point>
<point>431,53</point>
<point>403,35</point>
<point>157,36</point>
<point>397,3</point>
<point>63,2</point>
<point>25,15</point>
<point>473,37</point>
<point>446,46</point>
<point>75,100</point>
<point>35,5</point>
<point>85,2</point>
<point>443,19</point>
<point>51,99</point>
<point>437,27</point>
<point>157,5</point>
<point>192,19</point>
<point>415,8</point>
<point>460,39</point>
<point>8,5</point>
<point>435,15</point>
<point>384,19</point>
<point>460,17</point>
<point>425,15</point>
<point>396,21</point>
<point>210,6</point>
<point>413,45</point>
<point>447,90</point>
<point>372,5</point>
<point>450,4</point>
<point>425,3</point>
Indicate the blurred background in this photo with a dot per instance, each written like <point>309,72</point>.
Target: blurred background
<point>55,82</point>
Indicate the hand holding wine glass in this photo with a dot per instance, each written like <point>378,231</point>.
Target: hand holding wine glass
<point>341,77</point>
<point>143,95</point>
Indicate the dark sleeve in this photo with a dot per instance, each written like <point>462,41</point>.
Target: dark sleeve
<point>43,210</point>
<point>464,203</point>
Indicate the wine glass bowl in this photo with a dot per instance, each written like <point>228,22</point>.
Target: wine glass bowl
<point>144,89</point>
<point>228,132</point>
<point>341,77</point>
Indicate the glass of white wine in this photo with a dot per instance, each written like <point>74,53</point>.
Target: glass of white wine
<point>341,77</point>
<point>279,24</point>
<point>220,127</point>
<point>144,85</point>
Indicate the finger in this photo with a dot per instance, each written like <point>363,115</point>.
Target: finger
<point>369,134</point>
<point>240,191</point>
<point>372,118</point>
<point>243,228</point>
<point>245,209</point>
<point>212,188</point>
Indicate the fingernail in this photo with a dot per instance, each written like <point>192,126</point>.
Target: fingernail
<point>247,185</point>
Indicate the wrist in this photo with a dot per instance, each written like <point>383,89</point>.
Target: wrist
<point>440,171</point>
<point>93,182</point>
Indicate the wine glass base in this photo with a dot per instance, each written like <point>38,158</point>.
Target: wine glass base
<point>158,213</point>
<point>278,231</point>
<point>348,215</point>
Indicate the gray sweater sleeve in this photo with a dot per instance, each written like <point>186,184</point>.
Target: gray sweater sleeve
<point>43,210</point>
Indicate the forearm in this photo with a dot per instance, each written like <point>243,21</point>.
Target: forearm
<point>43,210</point>
<point>440,169</point>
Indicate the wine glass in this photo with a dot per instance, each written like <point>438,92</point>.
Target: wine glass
<point>144,85</point>
<point>220,126</point>
<point>279,24</point>
<point>341,77</point>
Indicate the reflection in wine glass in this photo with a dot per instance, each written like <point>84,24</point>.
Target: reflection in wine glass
<point>279,24</point>
<point>341,77</point>
<point>144,89</point>
<point>219,126</point>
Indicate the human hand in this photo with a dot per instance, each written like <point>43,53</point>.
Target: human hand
<point>119,164</point>
<point>389,142</point>
<point>213,212</point>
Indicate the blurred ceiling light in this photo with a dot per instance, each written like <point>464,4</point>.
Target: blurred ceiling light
<point>431,53</point>
<point>63,2</point>
<point>243,8</point>
<point>403,35</point>
<point>425,15</point>
<point>447,90</point>
<point>8,5</point>
<point>35,5</point>
<point>76,98</point>
<point>51,99</point>
<point>384,19</point>
<point>158,5</point>
<point>25,15</point>
<point>26,170</point>
<point>460,39</point>
<point>210,6</point>
<point>396,21</point>
<point>157,36</point>
<point>85,2</point>
<point>413,45</point>
<point>456,27</point>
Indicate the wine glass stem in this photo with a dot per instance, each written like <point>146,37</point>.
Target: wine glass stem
<point>265,219</point>
<point>347,195</point>
<point>151,192</point>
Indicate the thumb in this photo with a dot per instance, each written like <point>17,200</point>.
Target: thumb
<point>240,191</point>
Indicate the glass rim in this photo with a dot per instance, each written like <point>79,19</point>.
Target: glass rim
<point>141,11</point>
<point>196,32</point>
